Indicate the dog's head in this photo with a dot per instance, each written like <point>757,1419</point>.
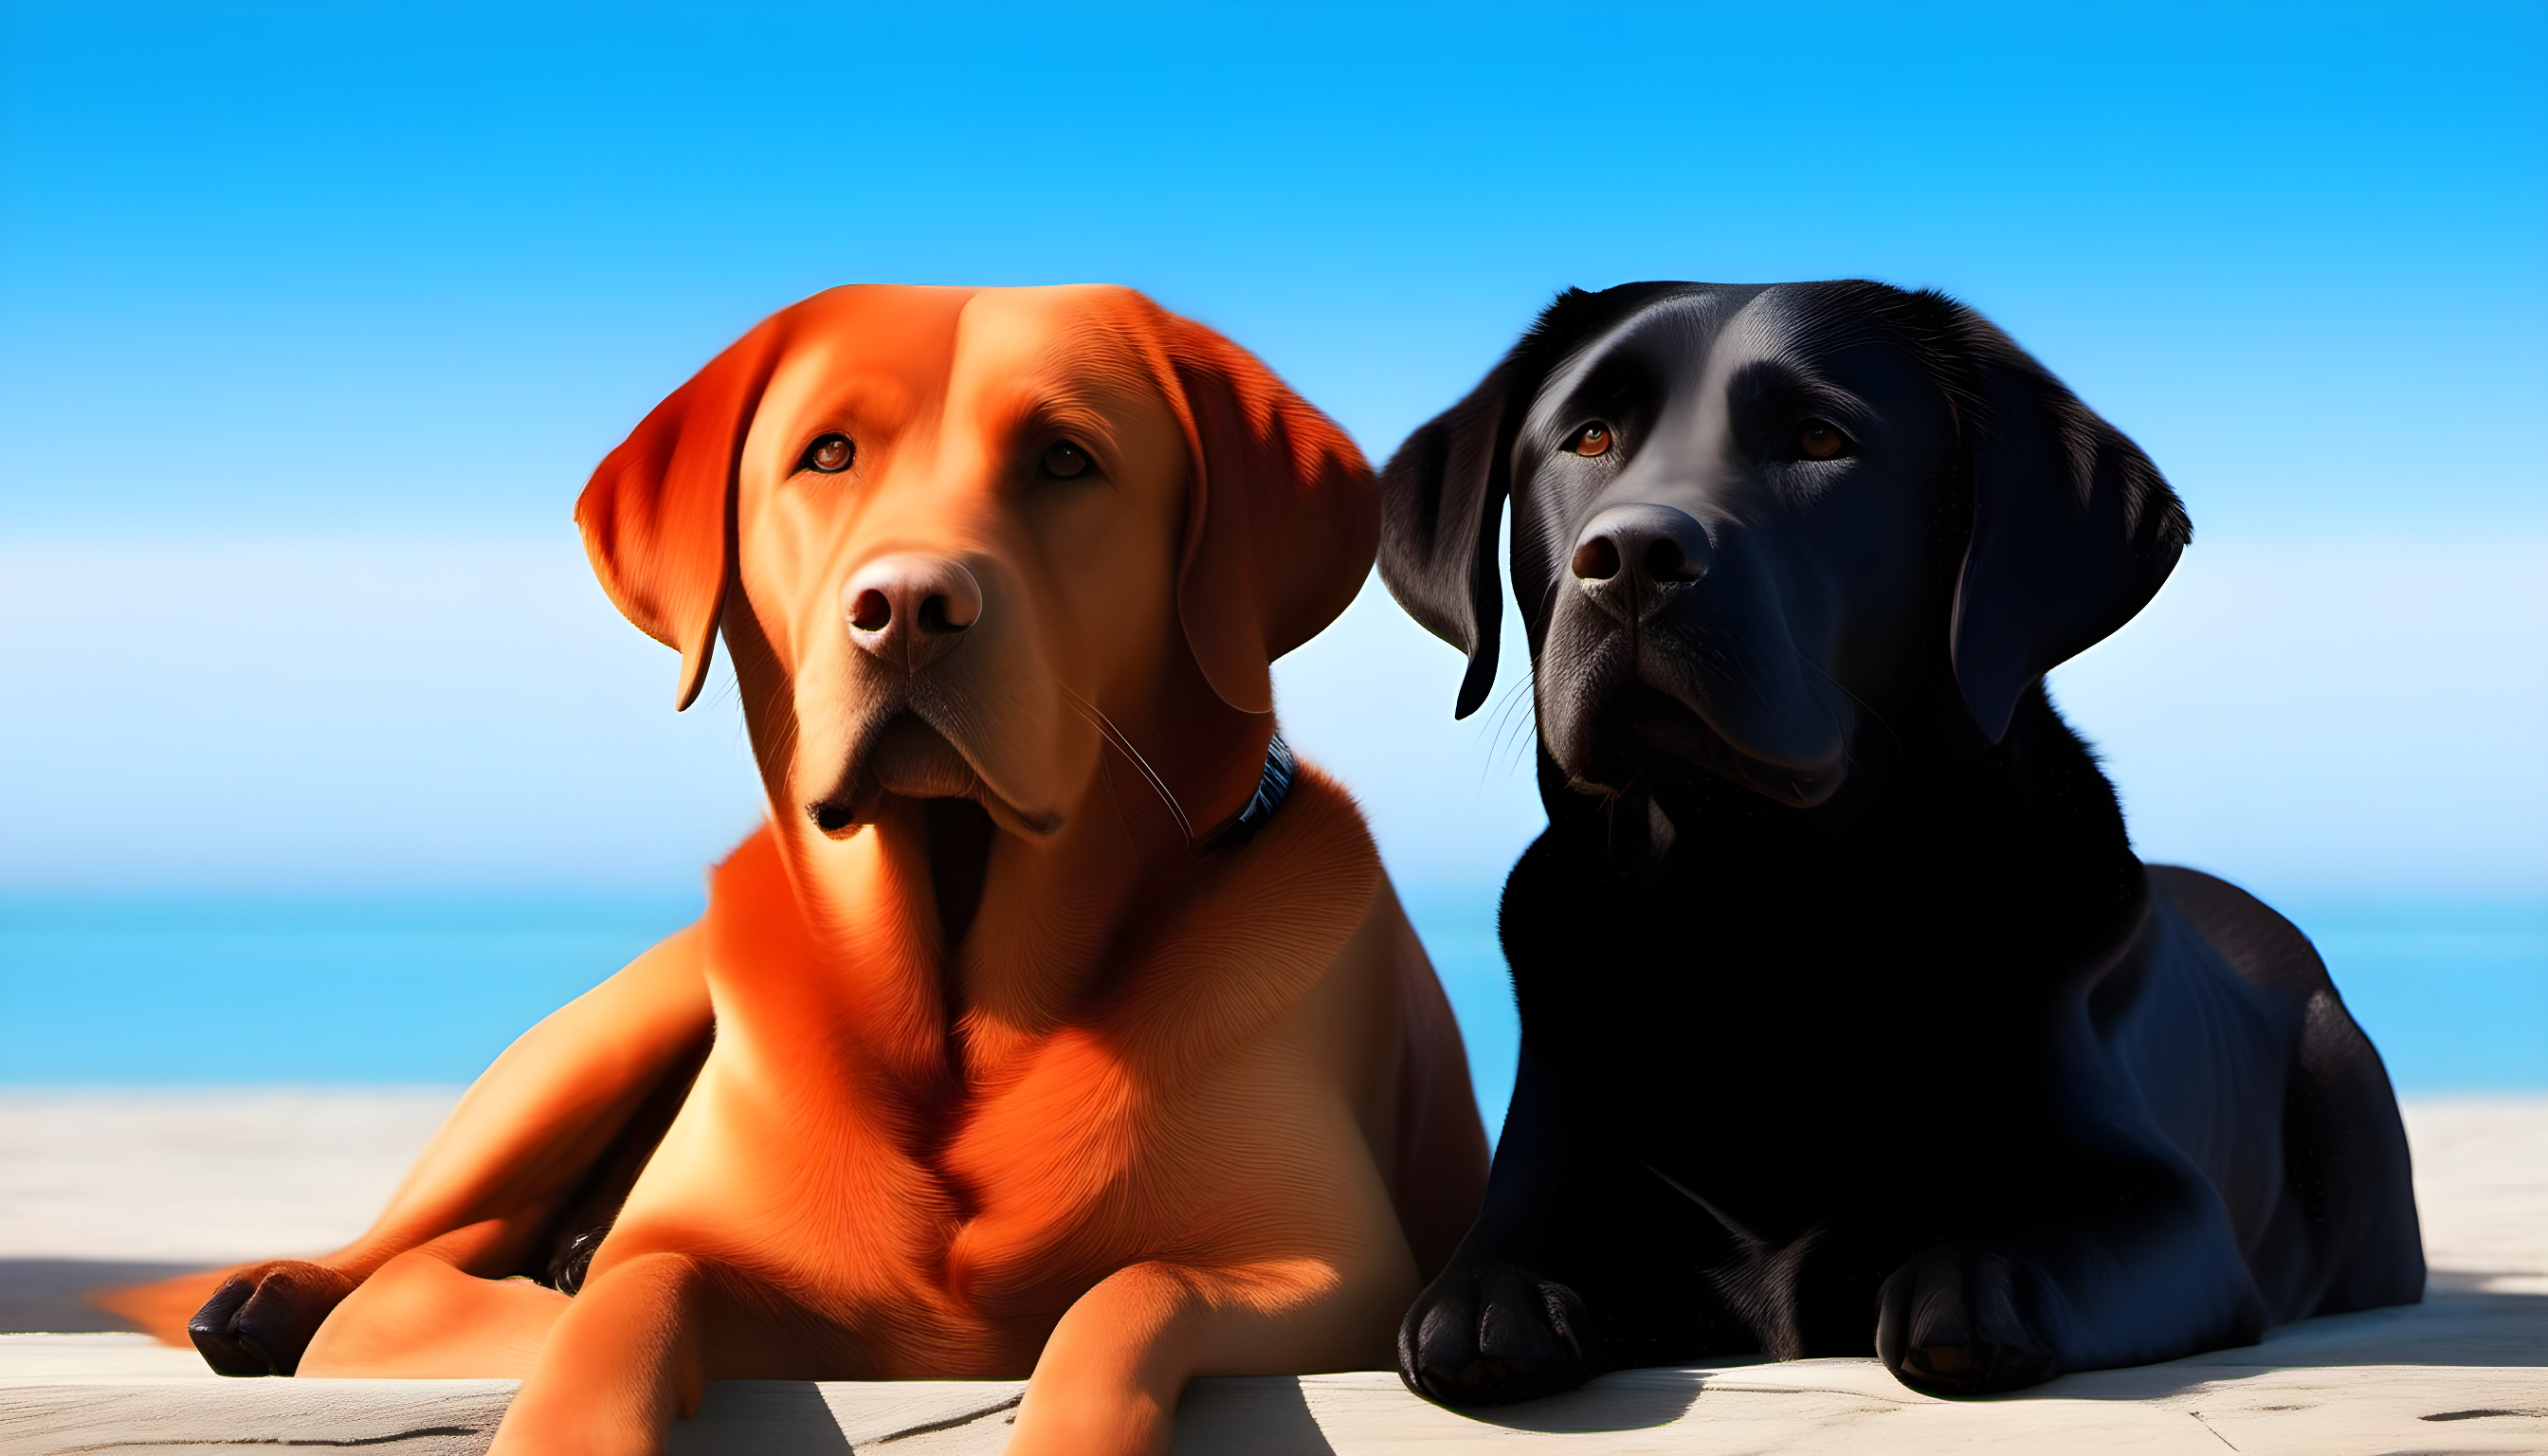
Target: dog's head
<point>1743,513</point>
<point>949,533</point>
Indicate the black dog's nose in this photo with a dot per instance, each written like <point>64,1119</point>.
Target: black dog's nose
<point>1629,557</point>
<point>908,609</point>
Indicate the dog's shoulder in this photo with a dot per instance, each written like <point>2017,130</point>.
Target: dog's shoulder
<point>754,916</point>
<point>1320,852</point>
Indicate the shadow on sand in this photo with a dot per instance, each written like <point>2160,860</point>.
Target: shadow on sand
<point>2458,1324</point>
<point>51,1296</point>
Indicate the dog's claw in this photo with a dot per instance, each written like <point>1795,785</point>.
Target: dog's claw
<point>261,1320</point>
<point>1493,1334</point>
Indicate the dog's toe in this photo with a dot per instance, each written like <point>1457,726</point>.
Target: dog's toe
<point>1493,1334</point>
<point>214,1330</point>
<point>261,1320</point>
<point>1955,1321</point>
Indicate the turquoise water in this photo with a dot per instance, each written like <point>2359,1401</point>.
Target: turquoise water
<point>247,990</point>
<point>244,990</point>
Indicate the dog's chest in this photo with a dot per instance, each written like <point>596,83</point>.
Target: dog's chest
<point>960,1217</point>
<point>942,1199</point>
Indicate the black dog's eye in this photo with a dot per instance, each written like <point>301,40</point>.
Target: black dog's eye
<point>1818,439</point>
<point>1592,440</point>
<point>1062,460</point>
<point>829,454</point>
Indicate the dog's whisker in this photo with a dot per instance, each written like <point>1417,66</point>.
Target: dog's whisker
<point>774,708</point>
<point>1498,724</point>
<point>1509,721</point>
<point>1525,717</point>
<point>1113,735</point>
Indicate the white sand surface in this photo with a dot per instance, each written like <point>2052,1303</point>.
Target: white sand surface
<point>203,1177</point>
<point>2482,1187</point>
<point>124,1181</point>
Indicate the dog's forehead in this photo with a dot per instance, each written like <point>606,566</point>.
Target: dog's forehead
<point>1072,338</point>
<point>1084,360</point>
<point>908,330</point>
<point>1691,336</point>
<point>880,327</point>
<point>881,349</point>
<point>901,356</point>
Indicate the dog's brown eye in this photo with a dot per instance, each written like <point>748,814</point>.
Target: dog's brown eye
<point>1817,440</point>
<point>1064,460</point>
<point>831,454</point>
<point>1592,440</point>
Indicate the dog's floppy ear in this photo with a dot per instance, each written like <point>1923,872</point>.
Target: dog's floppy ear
<point>1441,496</point>
<point>1443,492</point>
<point>658,516</point>
<point>2074,530</point>
<point>1281,514</point>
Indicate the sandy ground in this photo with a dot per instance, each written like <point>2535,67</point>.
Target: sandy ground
<point>202,1177</point>
<point>2481,1188</point>
<point>107,1187</point>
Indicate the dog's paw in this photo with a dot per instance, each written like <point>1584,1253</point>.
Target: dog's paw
<point>1492,1334</point>
<point>1964,1320</point>
<point>261,1319</point>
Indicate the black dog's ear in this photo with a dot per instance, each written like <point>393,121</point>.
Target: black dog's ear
<point>1441,496</point>
<point>2074,530</point>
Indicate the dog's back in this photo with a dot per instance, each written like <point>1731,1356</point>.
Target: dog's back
<point>2247,1056</point>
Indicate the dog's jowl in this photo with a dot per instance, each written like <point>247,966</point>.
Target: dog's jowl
<point>1058,1022</point>
<point>1849,1020</point>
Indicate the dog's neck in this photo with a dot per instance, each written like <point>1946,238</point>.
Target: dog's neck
<point>831,967</point>
<point>958,921</point>
<point>1037,947</point>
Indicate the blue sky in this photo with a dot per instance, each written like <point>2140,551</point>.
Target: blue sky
<point>384,265</point>
<point>313,319</point>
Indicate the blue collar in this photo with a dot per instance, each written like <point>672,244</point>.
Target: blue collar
<point>1273,787</point>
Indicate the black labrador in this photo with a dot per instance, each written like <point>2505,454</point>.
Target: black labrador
<point>1849,1017</point>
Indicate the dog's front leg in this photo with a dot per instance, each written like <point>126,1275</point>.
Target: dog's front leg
<point>1109,1378</point>
<point>620,1365</point>
<point>1582,1262</point>
<point>438,1312</point>
<point>1107,1381</point>
<point>488,1186</point>
<point>2108,1247</point>
<point>2142,1268</point>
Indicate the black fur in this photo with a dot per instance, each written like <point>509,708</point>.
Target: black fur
<point>1849,1020</point>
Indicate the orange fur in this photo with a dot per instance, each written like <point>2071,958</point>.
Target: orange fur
<point>1158,1109</point>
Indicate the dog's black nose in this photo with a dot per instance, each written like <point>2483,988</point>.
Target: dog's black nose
<point>1631,557</point>
<point>909,609</point>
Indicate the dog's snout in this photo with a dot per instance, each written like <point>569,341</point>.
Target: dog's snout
<point>1631,557</point>
<point>909,609</point>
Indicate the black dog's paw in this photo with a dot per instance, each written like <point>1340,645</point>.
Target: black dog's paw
<point>261,1319</point>
<point>1492,1334</point>
<point>1964,1320</point>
